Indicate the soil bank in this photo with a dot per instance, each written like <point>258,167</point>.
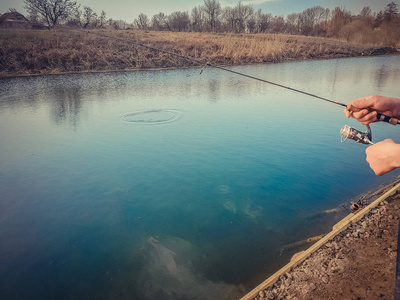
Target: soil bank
<point>358,263</point>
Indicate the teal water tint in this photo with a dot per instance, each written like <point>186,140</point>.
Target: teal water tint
<point>171,184</point>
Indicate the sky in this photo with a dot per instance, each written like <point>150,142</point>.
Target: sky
<point>128,10</point>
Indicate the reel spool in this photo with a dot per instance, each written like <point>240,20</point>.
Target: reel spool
<point>348,132</point>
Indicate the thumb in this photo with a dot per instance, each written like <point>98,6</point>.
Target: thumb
<point>363,102</point>
<point>389,141</point>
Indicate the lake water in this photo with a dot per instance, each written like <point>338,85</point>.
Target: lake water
<point>175,185</point>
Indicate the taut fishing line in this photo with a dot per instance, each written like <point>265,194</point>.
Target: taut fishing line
<point>346,132</point>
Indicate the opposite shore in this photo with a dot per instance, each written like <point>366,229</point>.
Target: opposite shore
<point>38,52</point>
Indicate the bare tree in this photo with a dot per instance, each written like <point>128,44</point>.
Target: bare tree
<point>293,23</point>
<point>88,16</point>
<point>51,10</point>
<point>142,22</point>
<point>277,24</point>
<point>159,21</point>
<point>179,21</point>
<point>340,17</point>
<point>197,18</point>
<point>102,19</point>
<point>365,12</point>
<point>242,13</point>
<point>119,24</point>
<point>366,19</point>
<point>325,16</point>
<point>241,18</point>
<point>228,18</point>
<point>251,24</point>
<point>75,20</point>
<point>389,23</point>
<point>391,12</point>
<point>34,17</point>
<point>213,10</point>
<point>262,21</point>
<point>309,18</point>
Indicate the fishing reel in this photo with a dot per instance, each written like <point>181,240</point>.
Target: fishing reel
<point>348,132</point>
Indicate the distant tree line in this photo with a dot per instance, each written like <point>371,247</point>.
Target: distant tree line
<point>212,17</point>
<point>65,12</point>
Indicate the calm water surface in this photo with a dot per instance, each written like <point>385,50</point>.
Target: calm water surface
<point>172,184</point>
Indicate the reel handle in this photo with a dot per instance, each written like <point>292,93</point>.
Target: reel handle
<point>379,117</point>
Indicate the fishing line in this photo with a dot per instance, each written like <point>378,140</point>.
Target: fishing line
<point>198,62</point>
<point>351,108</point>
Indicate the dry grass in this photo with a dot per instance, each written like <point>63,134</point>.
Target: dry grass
<point>27,52</point>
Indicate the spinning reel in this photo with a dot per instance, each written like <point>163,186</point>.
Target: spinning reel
<point>348,132</point>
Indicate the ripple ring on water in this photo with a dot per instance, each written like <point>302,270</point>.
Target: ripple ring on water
<point>155,116</point>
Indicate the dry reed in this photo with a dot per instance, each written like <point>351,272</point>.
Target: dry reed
<point>27,52</point>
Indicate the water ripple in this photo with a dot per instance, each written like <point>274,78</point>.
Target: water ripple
<point>155,116</point>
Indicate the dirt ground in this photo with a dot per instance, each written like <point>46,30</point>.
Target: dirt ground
<point>359,263</point>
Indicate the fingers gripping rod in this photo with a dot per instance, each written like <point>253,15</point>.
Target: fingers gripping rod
<point>379,117</point>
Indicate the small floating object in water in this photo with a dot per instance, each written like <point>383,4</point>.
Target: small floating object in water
<point>354,207</point>
<point>155,116</point>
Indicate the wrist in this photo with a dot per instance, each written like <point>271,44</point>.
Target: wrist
<point>395,162</point>
<point>396,107</point>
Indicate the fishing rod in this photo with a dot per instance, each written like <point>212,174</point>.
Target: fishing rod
<point>346,131</point>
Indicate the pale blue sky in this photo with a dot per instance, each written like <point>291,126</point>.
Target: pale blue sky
<point>128,10</point>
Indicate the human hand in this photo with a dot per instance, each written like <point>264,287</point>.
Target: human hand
<point>372,105</point>
<point>384,156</point>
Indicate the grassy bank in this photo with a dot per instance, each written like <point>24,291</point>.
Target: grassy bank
<point>28,52</point>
